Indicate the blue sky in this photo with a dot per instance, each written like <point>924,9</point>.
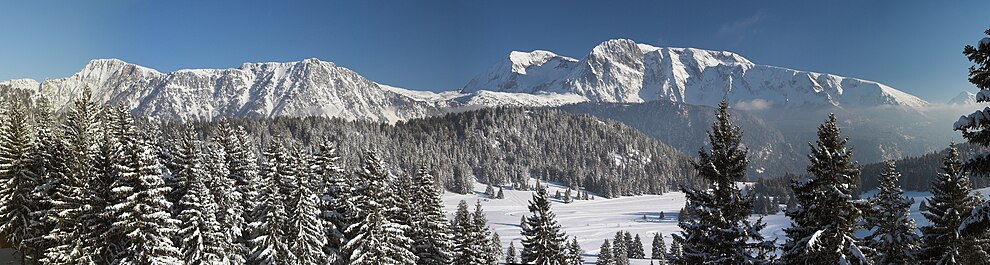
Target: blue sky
<point>439,45</point>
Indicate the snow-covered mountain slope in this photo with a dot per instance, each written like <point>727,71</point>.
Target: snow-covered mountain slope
<point>623,71</point>
<point>306,88</point>
<point>964,98</point>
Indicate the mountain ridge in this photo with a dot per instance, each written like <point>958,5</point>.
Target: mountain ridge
<point>621,70</point>
<point>304,88</point>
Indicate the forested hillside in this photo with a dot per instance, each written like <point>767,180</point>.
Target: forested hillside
<point>683,126</point>
<point>499,145</point>
<point>917,173</point>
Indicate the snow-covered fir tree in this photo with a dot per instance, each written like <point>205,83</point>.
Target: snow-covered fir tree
<point>894,241</point>
<point>676,254</point>
<point>605,255</point>
<point>469,240</point>
<point>574,253</point>
<point>112,166</point>
<point>18,178</point>
<point>720,231</point>
<point>659,248</point>
<point>334,188</point>
<point>494,248</point>
<point>510,253</point>
<point>543,242</point>
<point>401,210</point>
<point>827,213</point>
<point>228,212</point>
<point>431,232</point>
<point>620,249</point>
<point>636,248</point>
<point>72,240</point>
<point>974,128</point>
<point>310,236</point>
<point>144,216</point>
<point>488,246</point>
<point>199,232</point>
<point>270,217</point>
<point>49,163</point>
<point>241,166</point>
<point>951,203</point>
<point>376,239</point>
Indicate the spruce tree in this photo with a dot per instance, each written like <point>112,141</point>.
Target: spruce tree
<point>18,178</point>
<point>543,242</point>
<point>620,249</point>
<point>827,212</point>
<point>431,233</point>
<point>676,255</point>
<point>605,255</point>
<point>241,165</point>
<point>112,164</point>
<point>488,246</point>
<point>49,161</point>
<point>510,254</point>
<point>376,239</point>
<point>308,243</point>
<point>951,203</point>
<point>974,129</point>
<point>144,217</point>
<point>894,241</point>
<point>659,250</point>
<point>494,249</point>
<point>199,231</point>
<point>974,126</point>
<point>335,193</point>
<point>71,237</point>
<point>574,253</point>
<point>229,214</point>
<point>636,249</point>
<point>269,245</point>
<point>465,236</point>
<point>720,231</point>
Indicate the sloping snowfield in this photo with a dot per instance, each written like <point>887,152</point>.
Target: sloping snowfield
<point>592,221</point>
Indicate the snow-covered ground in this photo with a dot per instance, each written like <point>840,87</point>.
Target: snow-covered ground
<point>592,221</point>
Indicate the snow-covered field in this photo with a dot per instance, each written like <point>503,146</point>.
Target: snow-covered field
<point>592,221</point>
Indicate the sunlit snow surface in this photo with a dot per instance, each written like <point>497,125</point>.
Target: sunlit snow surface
<point>592,221</point>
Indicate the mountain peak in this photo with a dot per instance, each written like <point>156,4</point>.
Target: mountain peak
<point>964,98</point>
<point>520,61</point>
<point>114,64</point>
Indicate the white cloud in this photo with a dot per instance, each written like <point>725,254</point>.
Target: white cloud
<point>756,104</point>
<point>736,27</point>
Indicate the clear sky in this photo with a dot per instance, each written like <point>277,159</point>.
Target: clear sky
<point>915,46</point>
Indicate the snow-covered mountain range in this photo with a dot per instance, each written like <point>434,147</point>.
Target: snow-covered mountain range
<point>614,71</point>
<point>624,71</point>
<point>304,88</point>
